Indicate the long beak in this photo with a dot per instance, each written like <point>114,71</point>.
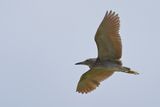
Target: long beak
<point>79,63</point>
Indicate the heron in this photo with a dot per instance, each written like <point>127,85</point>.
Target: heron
<point>108,61</point>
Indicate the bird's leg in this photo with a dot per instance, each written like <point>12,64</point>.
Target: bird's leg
<point>128,70</point>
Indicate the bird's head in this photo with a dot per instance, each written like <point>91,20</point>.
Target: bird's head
<point>89,62</point>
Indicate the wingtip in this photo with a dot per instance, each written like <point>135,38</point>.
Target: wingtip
<point>111,12</point>
<point>82,92</point>
<point>85,91</point>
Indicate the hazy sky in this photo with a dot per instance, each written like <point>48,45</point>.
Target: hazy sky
<point>41,40</point>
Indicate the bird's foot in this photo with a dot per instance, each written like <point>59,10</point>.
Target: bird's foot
<point>132,72</point>
<point>128,70</point>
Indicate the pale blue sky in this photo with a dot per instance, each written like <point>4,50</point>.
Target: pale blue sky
<point>40,40</point>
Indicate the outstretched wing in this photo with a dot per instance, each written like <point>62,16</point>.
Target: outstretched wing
<point>108,39</point>
<point>91,79</point>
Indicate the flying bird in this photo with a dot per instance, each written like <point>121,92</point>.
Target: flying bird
<point>108,61</point>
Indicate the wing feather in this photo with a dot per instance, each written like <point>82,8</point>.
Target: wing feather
<point>91,79</point>
<point>108,39</point>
